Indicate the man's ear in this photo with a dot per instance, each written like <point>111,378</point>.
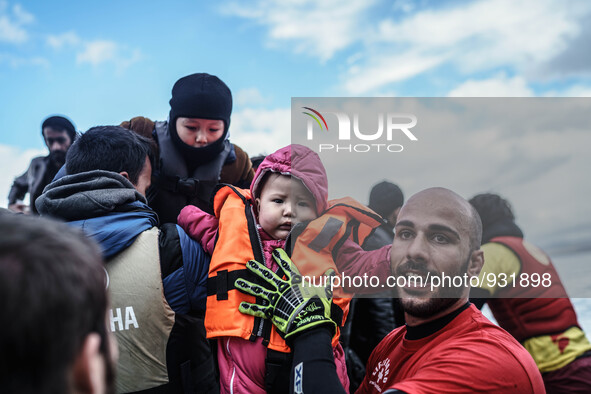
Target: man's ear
<point>392,217</point>
<point>476,262</point>
<point>125,175</point>
<point>88,372</point>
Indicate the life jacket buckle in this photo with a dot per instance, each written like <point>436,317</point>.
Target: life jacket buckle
<point>187,186</point>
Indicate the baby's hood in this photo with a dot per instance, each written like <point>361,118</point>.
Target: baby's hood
<point>300,162</point>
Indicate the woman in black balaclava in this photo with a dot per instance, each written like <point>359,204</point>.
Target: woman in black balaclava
<point>194,152</point>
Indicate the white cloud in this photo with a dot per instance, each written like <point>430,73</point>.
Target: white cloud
<point>122,62</point>
<point>380,71</point>
<point>249,97</point>
<point>12,23</point>
<point>59,41</point>
<point>96,52</point>
<point>498,86</point>
<point>481,36</point>
<point>15,61</point>
<point>315,28</point>
<point>14,162</point>
<point>22,16</point>
<point>12,30</point>
<point>261,131</point>
<point>103,51</point>
<point>573,91</point>
<point>487,33</point>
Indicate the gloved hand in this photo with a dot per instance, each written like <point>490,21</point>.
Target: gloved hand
<point>292,306</point>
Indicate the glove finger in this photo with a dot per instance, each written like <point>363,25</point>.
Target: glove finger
<point>254,310</point>
<point>291,271</point>
<point>265,273</point>
<point>331,273</point>
<point>253,289</point>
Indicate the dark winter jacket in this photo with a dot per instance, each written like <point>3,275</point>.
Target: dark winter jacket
<point>174,185</point>
<point>109,209</point>
<point>40,172</point>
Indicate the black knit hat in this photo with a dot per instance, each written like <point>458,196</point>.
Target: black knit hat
<point>201,95</point>
<point>385,197</point>
<point>60,123</point>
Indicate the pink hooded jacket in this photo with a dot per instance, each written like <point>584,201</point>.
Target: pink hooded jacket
<point>294,160</point>
<point>242,363</point>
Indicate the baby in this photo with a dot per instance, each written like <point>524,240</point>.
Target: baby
<point>290,187</point>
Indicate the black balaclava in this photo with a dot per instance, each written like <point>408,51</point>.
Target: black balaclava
<point>203,96</point>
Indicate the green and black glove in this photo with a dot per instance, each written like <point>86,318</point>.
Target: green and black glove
<point>292,306</point>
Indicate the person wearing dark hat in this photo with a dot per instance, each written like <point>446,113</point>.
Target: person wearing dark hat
<point>194,150</point>
<point>385,199</point>
<point>59,133</point>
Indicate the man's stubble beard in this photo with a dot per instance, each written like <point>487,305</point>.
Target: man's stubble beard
<point>58,157</point>
<point>443,298</point>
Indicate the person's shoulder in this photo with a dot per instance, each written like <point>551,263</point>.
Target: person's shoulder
<point>478,342</point>
<point>498,259</point>
<point>239,151</point>
<point>141,125</point>
<point>39,159</point>
<point>172,232</point>
<point>497,250</point>
<point>238,172</point>
<point>177,248</point>
<point>390,341</point>
<point>242,157</point>
<point>487,338</point>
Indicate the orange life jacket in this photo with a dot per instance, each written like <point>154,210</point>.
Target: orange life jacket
<point>313,249</point>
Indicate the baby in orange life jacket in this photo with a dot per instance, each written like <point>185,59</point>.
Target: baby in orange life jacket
<point>290,187</point>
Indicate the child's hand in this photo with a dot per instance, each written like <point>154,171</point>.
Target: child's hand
<point>293,305</point>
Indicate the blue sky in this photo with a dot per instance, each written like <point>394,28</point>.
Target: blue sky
<point>102,63</point>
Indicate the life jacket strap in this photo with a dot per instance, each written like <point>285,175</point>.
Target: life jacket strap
<point>224,280</point>
<point>189,187</point>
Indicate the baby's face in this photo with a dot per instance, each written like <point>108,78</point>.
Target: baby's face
<point>283,203</point>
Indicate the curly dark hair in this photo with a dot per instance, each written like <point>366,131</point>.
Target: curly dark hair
<point>492,208</point>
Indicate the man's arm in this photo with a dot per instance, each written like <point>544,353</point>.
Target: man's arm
<point>314,370</point>
<point>184,267</point>
<point>199,225</point>
<point>301,314</point>
<point>19,189</point>
<point>353,261</point>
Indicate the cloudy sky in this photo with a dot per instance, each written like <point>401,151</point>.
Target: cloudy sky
<point>102,63</point>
